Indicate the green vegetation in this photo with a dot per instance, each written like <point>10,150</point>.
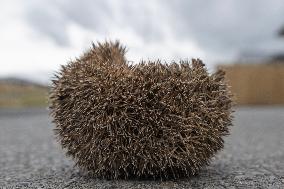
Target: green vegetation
<point>17,95</point>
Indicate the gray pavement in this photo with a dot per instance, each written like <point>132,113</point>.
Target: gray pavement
<point>253,156</point>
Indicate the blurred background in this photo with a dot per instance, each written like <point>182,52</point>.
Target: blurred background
<point>246,38</point>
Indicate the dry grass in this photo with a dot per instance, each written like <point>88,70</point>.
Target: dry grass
<point>16,96</point>
<point>256,84</point>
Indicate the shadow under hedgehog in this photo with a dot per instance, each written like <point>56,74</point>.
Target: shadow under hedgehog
<point>145,120</point>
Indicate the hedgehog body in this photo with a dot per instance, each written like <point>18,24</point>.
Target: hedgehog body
<point>150,119</point>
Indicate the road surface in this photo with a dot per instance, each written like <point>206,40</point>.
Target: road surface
<point>253,156</point>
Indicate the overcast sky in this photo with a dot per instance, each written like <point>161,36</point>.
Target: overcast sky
<point>36,36</point>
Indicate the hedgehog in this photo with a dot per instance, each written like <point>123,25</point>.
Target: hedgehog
<point>150,119</point>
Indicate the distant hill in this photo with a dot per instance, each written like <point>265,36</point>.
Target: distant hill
<point>18,81</point>
<point>16,93</point>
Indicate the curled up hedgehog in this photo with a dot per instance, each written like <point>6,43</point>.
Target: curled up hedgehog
<point>144,120</point>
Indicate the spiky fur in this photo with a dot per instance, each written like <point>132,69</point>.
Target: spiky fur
<point>145,120</point>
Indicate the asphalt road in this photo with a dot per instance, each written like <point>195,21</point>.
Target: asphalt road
<point>253,156</point>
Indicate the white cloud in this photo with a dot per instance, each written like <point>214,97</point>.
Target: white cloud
<point>24,52</point>
<point>38,36</point>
